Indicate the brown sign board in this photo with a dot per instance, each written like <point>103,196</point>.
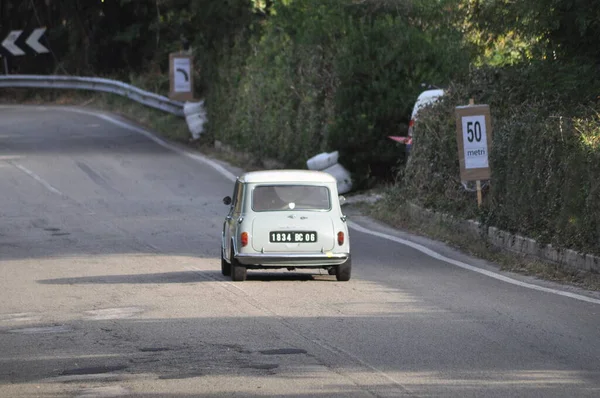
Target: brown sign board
<point>181,77</point>
<point>474,139</point>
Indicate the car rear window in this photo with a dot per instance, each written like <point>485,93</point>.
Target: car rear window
<point>290,197</point>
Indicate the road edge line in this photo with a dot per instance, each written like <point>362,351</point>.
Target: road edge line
<point>36,177</point>
<point>431,253</point>
<point>198,157</point>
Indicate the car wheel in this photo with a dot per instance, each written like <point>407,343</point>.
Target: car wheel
<point>225,266</point>
<point>344,271</point>
<point>238,271</point>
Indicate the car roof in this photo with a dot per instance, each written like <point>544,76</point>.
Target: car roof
<point>287,176</point>
<point>425,98</point>
<point>429,94</point>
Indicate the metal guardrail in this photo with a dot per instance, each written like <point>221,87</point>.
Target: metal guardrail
<point>94,84</point>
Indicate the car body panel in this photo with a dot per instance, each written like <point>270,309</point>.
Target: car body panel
<point>306,225</point>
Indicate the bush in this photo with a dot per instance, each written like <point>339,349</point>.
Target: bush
<point>545,154</point>
<point>334,75</point>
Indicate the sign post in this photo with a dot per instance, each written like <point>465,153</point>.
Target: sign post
<point>181,77</point>
<point>474,139</point>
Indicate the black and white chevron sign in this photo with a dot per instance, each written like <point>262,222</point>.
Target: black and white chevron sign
<point>19,42</point>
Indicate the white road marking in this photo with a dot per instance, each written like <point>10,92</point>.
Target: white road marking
<point>37,178</point>
<point>466,266</point>
<point>197,157</point>
<point>227,174</point>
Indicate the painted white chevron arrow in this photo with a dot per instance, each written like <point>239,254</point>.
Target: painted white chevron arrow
<point>34,43</point>
<point>9,43</point>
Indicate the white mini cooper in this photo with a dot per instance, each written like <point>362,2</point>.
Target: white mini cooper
<point>285,219</point>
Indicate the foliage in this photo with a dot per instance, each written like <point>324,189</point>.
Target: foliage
<point>275,101</point>
<point>545,157</point>
<point>559,29</point>
<point>123,37</point>
<point>333,75</point>
<point>383,61</point>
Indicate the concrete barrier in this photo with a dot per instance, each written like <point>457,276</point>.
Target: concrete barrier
<point>344,180</point>
<point>195,117</point>
<point>322,160</point>
<point>328,162</point>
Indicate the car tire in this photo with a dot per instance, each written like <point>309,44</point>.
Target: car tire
<point>238,271</point>
<point>344,271</point>
<point>225,266</point>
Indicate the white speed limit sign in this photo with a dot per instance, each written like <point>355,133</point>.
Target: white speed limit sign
<point>474,138</point>
<point>475,142</point>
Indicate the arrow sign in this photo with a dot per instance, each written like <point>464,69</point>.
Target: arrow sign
<point>9,43</point>
<point>18,43</point>
<point>181,77</point>
<point>182,82</point>
<point>33,41</point>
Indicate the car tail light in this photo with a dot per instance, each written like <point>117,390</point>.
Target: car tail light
<point>244,239</point>
<point>340,238</point>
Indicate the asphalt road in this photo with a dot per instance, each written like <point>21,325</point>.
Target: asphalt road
<point>110,285</point>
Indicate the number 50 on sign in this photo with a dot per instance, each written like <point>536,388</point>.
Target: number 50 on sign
<point>473,136</point>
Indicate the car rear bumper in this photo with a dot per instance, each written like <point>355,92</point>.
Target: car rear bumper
<point>306,260</point>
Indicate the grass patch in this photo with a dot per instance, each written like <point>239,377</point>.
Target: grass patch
<point>399,217</point>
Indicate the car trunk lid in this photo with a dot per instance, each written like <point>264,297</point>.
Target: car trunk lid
<point>300,232</point>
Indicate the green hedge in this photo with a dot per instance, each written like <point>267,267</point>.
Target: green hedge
<point>545,159</point>
<point>331,75</point>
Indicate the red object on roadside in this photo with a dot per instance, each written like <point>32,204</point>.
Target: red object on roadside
<point>403,140</point>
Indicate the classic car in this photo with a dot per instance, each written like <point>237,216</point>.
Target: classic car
<point>285,219</point>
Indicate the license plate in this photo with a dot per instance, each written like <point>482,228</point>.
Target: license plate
<point>293,237</point>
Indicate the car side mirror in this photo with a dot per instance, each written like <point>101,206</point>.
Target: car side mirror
<point>227,200</point>
<point>342,200</point>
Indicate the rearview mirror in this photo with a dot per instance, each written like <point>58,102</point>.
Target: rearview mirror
<point>227,200</point>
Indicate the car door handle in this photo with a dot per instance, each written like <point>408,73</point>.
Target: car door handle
<point>228,218</point>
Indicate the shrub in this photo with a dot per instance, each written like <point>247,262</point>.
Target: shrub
<point>333,75</point>
<point>544,158</point>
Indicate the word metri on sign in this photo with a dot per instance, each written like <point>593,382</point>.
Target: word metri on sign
<point>475,142</point>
